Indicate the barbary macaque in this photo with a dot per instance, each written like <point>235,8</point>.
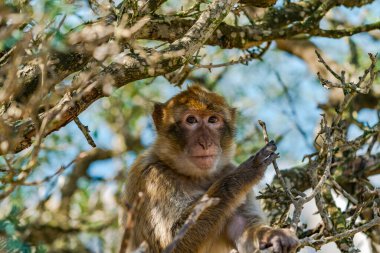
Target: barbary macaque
<point>191,157</point>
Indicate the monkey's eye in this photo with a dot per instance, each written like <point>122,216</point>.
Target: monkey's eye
<point>213,119</point>
<point>191,120</point>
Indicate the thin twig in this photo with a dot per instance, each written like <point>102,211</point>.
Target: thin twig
<point>86,132</point>
<point>321,60</point>
<point>326,173</point>
<point>59,171</point>
<point>242,59</point>
<point>344,193</point>
<point>278,172</point>
<point>360,86</point>
<point>311,242</point>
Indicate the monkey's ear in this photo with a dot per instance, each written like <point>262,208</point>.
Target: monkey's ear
<point>158,114</point>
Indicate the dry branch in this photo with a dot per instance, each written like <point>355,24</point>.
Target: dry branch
<point>133,67</point>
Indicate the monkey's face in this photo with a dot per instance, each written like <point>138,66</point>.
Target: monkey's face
<point>195,132</point>
<point>202,137</point>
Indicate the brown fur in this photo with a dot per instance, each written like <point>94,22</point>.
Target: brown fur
<point>172,183</point>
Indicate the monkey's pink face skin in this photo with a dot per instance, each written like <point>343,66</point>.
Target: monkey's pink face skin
<point>203,135</point>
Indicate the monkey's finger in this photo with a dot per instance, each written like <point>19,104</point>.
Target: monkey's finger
<point>265,245</point>
<point>291,249</point>
<point>277,247</point>
<point>270,159</point>
<point>272,145</point>
<point>294,243</point>
<point>284,244</point>
<point>266,150</point>
<point>291,243</point>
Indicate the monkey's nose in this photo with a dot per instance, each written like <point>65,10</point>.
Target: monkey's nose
<point>205,143</point>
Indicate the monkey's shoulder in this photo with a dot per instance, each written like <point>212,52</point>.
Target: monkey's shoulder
<point>149,165</point>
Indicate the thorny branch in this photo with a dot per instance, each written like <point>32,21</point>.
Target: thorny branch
<point>360,86</point>
<point>86,132</point>
<point>349,233</point>
<point>324,161</point>
<point>242,59</point>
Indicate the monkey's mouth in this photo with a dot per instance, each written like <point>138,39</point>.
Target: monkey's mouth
<point>204,161</point>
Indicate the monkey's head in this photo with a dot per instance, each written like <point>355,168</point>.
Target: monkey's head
<point>195,132</point>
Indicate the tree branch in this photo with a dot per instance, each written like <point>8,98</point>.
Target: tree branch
<point>133,67</point>
<point>293,20</point>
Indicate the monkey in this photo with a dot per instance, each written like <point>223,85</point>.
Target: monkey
<point>192,156</point>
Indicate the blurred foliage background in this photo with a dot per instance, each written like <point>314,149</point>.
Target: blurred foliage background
<point>70,199</point>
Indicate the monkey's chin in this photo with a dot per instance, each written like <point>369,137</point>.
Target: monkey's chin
<point>204,162</point>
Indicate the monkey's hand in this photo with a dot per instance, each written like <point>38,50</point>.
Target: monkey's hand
<point>255,166</point>
<point>281,240</point>
<point>266,155</point>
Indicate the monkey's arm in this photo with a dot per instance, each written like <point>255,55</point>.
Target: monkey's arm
<point>231,190</point>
